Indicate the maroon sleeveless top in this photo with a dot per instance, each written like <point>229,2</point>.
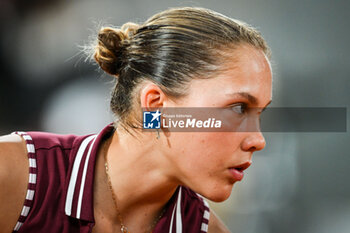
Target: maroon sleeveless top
<point>60,190</point>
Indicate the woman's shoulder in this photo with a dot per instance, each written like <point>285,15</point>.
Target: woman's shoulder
<point>12,157</point>
<point>47,140</point>
<point>13,179</point>
<point>34,167</point>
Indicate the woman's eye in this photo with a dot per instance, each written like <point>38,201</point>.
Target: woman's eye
<point>239,108</point>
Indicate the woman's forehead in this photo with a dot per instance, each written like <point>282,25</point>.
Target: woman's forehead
<point>249,73</point>
<point>246,58</point>
<point>250,69</point>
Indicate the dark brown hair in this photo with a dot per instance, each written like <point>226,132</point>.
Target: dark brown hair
<point>169,49</point>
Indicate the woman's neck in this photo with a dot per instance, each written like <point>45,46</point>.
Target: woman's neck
<point>140,177</point>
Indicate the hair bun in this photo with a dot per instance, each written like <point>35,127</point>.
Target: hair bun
<point>110,48</point>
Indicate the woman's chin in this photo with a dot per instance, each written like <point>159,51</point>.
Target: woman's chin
<point>219,194</point>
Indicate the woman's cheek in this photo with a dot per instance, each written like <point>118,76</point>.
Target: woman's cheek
<point>223,140</point>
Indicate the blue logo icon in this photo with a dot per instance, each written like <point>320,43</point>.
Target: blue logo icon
<point>151,120</point>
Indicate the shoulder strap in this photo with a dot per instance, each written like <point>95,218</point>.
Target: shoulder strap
<point>32,179</point>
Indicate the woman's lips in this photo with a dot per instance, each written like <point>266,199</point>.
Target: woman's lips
<point>236,174</point>
<point>237,171</point>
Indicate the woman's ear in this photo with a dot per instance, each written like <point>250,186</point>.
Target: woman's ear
<point>152,97</point>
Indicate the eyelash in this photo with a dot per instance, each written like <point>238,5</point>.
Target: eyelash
<point>243,106</point>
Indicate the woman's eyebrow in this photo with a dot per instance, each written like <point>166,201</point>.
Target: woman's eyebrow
<point>252,99</point>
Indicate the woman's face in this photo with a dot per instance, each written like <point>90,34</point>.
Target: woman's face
<point>203,159</point>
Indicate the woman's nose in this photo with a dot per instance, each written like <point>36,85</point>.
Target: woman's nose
<point>255,141</point>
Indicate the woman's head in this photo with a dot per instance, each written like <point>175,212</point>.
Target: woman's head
<point>191,57</point>
<point>204,160</point>
<point>170,49</point>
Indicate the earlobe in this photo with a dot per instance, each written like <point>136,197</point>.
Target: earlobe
<point>151,96</point>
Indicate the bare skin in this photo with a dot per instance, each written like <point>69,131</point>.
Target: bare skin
<point>145,171</point>
<point>14,174</point>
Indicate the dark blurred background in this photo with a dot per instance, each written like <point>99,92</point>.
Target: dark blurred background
<point>299,183</point>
